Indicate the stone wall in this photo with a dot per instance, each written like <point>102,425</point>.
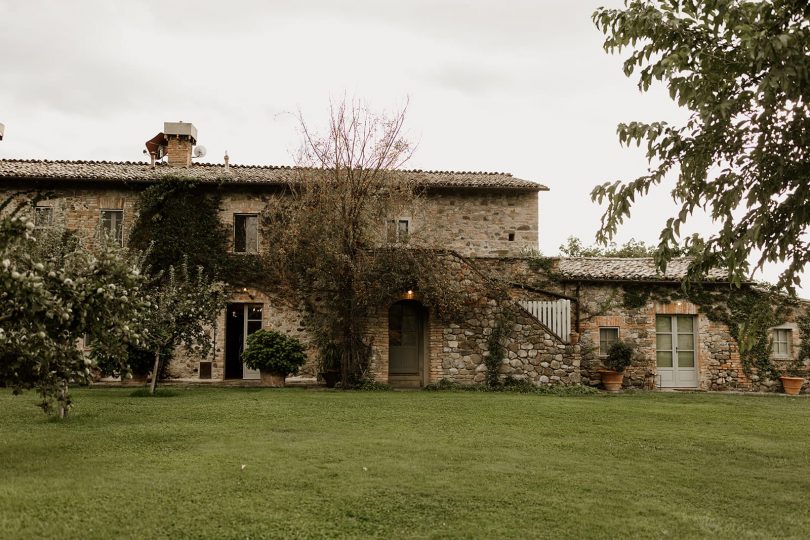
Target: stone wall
<point>481,222</point>
<point>276,315</point>
<point>719,365</point>
<point>456,349</point>
<point>469,221</point>
<point>602,304</point>
<point>79,208</point>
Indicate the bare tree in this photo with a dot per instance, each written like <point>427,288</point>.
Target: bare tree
<point>333,244</point>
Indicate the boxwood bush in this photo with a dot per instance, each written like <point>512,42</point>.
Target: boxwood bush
<point>620,355</point>
<point>274,352</point>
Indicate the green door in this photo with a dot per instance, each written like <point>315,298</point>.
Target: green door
<point>676,351</point>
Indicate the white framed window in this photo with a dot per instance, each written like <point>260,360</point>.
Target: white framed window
<point>608,335</point>
<point>245,233</point>
<point>112,226</point>
<point>398,230</point>
<point>43,216</point>
<point>782,338</point>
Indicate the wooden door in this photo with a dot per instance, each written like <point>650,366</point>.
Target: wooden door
<point>404,339</point>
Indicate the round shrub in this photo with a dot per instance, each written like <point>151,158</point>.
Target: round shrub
<point>619,356</point>
<point>273,352</point>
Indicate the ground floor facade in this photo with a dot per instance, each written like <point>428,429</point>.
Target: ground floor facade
<point>677,344</point>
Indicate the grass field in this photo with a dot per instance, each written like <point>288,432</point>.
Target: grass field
<point>256,463</point>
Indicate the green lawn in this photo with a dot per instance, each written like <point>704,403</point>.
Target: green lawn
<point>404,464</point>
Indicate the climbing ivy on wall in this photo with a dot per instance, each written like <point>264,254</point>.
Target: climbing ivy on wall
<point>748,312</point>
<point>496,347</point>
<point>179,218</point>
<point>804,333</point>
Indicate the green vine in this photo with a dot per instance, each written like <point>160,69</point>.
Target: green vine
<point>635,297</point>
<point>496,346</point>
<point>748,313</point>
<point>179,218</point>
<point>803,323</point>
<point>537,261</point>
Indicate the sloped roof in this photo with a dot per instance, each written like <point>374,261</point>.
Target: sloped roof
<point>142,172</point>
<point>627,269</point>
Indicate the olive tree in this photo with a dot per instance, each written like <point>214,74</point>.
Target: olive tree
<point>742,70</point>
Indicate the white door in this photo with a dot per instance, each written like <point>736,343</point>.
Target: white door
<point>676,353</point>
<point>253,322</point>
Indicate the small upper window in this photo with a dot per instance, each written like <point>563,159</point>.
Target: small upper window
<point>112,226</point>
<point>398,230</point>
<point>781,342</point>
<point>607,337</point>
<point>245,233</point>
<point>43,216</point>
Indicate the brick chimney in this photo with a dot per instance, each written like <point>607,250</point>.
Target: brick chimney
<point>180,139</point>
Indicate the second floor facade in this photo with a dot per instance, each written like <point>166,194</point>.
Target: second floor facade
<point>474,214</point>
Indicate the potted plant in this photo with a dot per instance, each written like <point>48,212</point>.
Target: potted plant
<point>329,364</point>
<point>793,381</point>
<point>619,356</point>
<point>274,354</point>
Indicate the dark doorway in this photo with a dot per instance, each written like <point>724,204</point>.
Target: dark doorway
<point>234,341</point>
<point>241,321</point>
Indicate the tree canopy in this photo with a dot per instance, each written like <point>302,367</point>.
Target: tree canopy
<point>56,291</point>
<point>742,69</point>
<point>574,247</point>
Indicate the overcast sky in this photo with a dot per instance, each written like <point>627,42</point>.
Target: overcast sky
<point>521,86</point>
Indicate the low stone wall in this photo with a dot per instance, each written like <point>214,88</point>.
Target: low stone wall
<point>532,351</point>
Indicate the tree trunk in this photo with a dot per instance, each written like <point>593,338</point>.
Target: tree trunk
<point>155,373</point>
<point>63,400</point>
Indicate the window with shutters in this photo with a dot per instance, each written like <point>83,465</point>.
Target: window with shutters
<point>245,233</point>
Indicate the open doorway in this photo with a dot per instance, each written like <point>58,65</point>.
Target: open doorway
<point>241,321</point>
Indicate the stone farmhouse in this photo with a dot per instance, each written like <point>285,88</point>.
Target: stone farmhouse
<point>564,312</point>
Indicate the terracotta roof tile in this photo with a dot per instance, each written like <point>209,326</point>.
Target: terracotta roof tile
<point>620,269</point>
<point>132,171</point>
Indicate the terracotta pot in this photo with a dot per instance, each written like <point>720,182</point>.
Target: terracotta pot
<point>331,378</point>
<point>792,385</point>
<point>612,380</point>
<point>275,380</point>
<point>573,338</point>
